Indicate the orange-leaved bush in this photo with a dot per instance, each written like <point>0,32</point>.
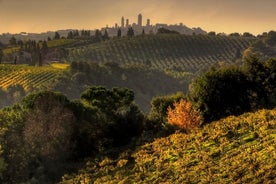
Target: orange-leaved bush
<point>184,116</point>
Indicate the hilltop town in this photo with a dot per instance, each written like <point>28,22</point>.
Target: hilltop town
<point>125,24</point>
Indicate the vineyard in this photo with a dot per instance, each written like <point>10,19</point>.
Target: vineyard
<point>232,150</point>
<point>29,77</point>
<point>179,53</point>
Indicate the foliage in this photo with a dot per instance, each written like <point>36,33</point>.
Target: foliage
<point>184,116</point>
<point>120,117</point>
<point>215,93</point>
<point>232,150</point>
<point>47,132</point>
<point>166,31</point>
<point>1,54</point>
<point>160,105</point>
<point>262,76</point>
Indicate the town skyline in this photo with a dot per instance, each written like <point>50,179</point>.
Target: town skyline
<point>36,16</point>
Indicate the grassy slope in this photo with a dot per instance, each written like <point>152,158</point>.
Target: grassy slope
<point>233,150</point>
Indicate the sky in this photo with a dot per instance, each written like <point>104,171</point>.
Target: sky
<point>221,16</point>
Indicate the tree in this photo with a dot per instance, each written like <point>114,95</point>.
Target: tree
<point>119,33</point>
<point>262,76</point>
<point>212,33</point>
<point>184,116</point>
<point>12,41</point>
<point>247,34</point>
<point>166,31</point>
<point>130,32</point>
<point>44,48</point>
<point>235,34</point>
<point>159,109</point>
<point>121,119</point>
<point>108,101</point>
<point>1,55</point>
<point>70,35</point>
<point>271,38</point>
<point>220,93</point>
<point>98,35</point>
<point>57,36</point>
<point>105,36</point>
<point>49,131</point>
<point>143,32</point>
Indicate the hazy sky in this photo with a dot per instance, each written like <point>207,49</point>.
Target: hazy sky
<point>255,16</point>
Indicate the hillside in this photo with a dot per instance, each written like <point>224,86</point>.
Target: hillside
<point>170,52</point>
<point>29,77</point>
<point>232,150</point>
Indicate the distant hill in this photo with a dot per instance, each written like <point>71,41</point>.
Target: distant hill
<point>166,52</point>
<point>232,150</point>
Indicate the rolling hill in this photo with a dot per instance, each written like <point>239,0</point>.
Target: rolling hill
<point>165,52</point>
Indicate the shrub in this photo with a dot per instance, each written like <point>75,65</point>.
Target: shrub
<point>184,115</point>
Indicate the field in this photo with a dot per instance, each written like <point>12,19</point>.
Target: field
<point>30,77</point>
<point>232,150</point>
<point>171,53</point>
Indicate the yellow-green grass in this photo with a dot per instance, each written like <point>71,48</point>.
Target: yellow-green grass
<point>60,42</point>
<point>30,77</point>
<point>233,150</point>
<point>10,50</point>
<point>62,66</point>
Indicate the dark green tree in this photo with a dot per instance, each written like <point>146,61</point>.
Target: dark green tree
<point>119,33</point>
<point>98,35</point>
<point>120,117</point>
<point>220,93</point>
<point>166,31</point>
<point>70,35</point>
<point>159,106</point>
<point>247,34</point>
<point>271,38</point>
<point>1,55</point>
<point>212,33</point>
<point>108,101</point>
<point>12,41</point>
<point>130,32</point>
<point>44,48</point>
<point>262,76</point>
<point>57,36</point>
<point>105,36</point>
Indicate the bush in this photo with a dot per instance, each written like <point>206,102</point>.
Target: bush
<point>184,116</point>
